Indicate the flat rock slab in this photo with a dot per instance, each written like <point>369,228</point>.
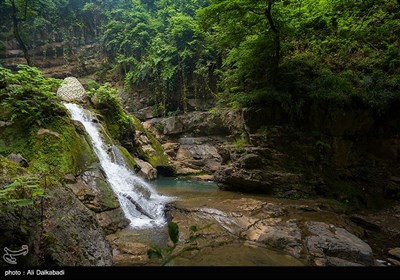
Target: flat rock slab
<point>395,252</point>
<point>337,243</point>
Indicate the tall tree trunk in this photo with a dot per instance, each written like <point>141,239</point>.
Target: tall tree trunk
<point>17,34</point>
<point>277,42</point>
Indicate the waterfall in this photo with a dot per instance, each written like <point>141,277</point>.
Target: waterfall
<point>141,204</point>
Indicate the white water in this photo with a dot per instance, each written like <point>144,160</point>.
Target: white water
<point>122,180</point>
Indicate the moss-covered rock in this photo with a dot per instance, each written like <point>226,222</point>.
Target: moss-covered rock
<point>149,148</point>
<point>57,150</point>
<point>129,130</point>
<point>129,160</point>
<point>9,170</point>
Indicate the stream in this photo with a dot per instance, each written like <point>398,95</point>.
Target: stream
<point>220,250</point>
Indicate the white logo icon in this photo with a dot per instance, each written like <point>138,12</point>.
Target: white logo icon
<point>10,254</point>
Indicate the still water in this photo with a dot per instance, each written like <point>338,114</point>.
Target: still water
<point>202,193</point>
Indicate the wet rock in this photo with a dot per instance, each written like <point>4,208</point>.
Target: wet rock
<point>332,261</point>
<point>361,221</point>
<point>395,252</point>
<point>18,159</point>
<point>112,221</point>
<point>94,191</point>
<point>338,243</point>
<point>283,236</point>
<point>394,262</point>
<point>147,171</point>
<point>73,235</point>
<point>128,253</point>
<point>260,181</point>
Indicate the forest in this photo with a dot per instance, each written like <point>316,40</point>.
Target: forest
<point>237,52</point>
<point>200,132</point>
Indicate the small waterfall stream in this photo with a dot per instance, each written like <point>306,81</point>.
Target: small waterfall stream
<point>141,204</point>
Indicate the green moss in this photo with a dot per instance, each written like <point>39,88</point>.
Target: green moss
<point>16,139</point>
<point>157,158</point>
<point>57,154</point>
<point>106,196</point>
<point>129,159</point>
<point>122,126</point>
<point>9,170</point>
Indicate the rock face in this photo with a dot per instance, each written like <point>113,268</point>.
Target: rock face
<point>395,252</point>
<point>55,59</point>
<point>65,233</point>
<point>71,90</point>
<point>346,153</point>
<point>194,154</point>
<point>328,241</point>
<point>76,238</point>
<point>92,189</point>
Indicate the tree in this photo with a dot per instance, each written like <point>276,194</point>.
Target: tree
<point>19,11</point>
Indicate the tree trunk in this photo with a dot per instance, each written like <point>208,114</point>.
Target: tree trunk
<point>277,42</point>
<point>17,34</point>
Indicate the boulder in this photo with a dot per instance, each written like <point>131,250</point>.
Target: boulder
<point>283,236</point>
<point>173,126</point>
<point>328,241</point>
<point>250,161</point>
<point>94,191</point>
<point>145,113</point>
<point>5,124</point>
<point>18,159</point>
<point>71,90</point>
<point>112,221</point>
<point>147,171</point>
<point>72,234</point>
<point>202,157</point>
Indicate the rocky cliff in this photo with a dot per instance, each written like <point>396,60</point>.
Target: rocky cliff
<point>57,59</point>
<point>350,154</point>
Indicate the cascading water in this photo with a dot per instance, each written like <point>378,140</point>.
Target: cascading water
<point>141,204</point>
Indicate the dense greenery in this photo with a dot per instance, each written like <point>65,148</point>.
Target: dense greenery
<point>29,97</point>
<point>36,124</point>
<point>160,46</point>
<point>248,51</point>
<point>330,50</point>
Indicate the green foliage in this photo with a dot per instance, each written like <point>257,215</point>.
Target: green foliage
<point>20,193</point>
<point>28,100</point>
<point>241,141</point>
<point>163,49</point>
<point>171,252</point>
<point>28,96</point>
<point>337,52</point>
<point>173,232</point>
